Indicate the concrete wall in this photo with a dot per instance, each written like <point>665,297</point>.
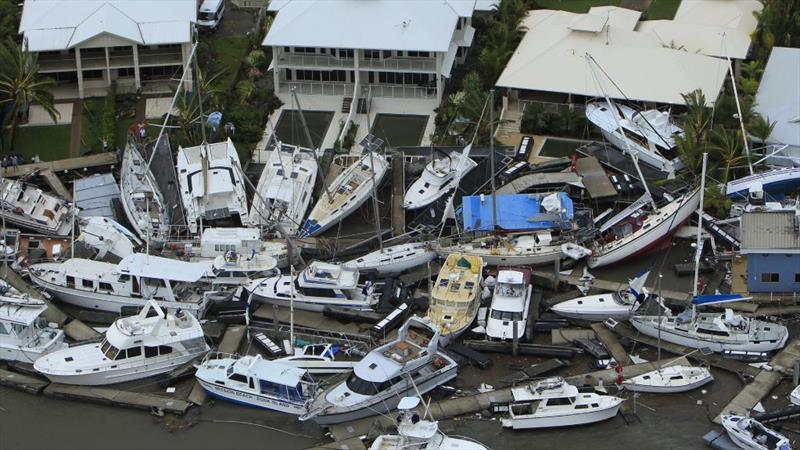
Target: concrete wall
<point>787,266</point>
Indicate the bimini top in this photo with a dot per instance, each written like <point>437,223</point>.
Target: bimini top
<point>17,311</point>
<point>515,212</point>
<point>148,266</point>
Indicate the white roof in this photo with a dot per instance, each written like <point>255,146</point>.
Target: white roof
<point>637,62</point>
<point>63,24</point>
<point>510,276</point>
<point>148,266</point>
<point>22,315</point>
<point>419,25</point>
<point>778,97</point>
<point>272,371</point>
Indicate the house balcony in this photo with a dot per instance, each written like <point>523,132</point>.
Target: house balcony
<point>316,88</point>
<point>374,90</point>
<point>299,60</point>
<point>56,63</point>
<point>396,64</point>
<point>165,57</point>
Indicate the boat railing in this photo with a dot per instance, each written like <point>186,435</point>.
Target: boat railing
<point>123,364</point>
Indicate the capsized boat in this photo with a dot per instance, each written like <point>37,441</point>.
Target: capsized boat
<point>670,379</point>
<point>416,434</point>
<point>553,402</point>
<point>775,181</point>
<point>410,365</point>
<point>439,177</point>
<point>254,381</point>
<point>347,193</point>
<point>750,434</point>
<point>107,236</point>
<point>27,206</point>
<point>141,198</point>
<point>455,298</point>
<point>615,305</point>
<point>25,335</point>
<point>511,301</point>
<point>395,259</point>
<point>134,347</point>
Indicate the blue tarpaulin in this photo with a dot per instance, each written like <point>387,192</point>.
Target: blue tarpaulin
<point>514,212</point>
<point>717,298</point>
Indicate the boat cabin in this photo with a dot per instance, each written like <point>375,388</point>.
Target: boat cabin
<point>21,321</point>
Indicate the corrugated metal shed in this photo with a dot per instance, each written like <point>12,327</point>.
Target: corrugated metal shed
<point>770,232</point>
<point>94,194</point>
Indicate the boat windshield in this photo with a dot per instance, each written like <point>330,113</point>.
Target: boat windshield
<point>294,393</point>
<point>109,350</point>
<point>364,387</point>
<point>506,315</point>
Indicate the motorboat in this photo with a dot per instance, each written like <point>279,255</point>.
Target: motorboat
<point>649,133</point>
<point>410,365</point>
<point>24,334</point>
<point>317,286</point>
<point>527,249</point>
<point>212,186</point>
<point>141,198</point>
<point>107,236</point>
<point>750,434</point>
<point>132,282</point>
<point>319,359</point>
<point>439,177</point>
<point>285,188</point>
<point>254,381</point>
<point>395,259</point>
<point>774,181</point>
<point>236,269</point>
<point>511,301</point>
<point>553,402</point>
<point>455,298</point>
<point>414,433</point>
<point>26,206</point>
<point>634,231</point>
<point>613,305</point>
<point>134,347</point>
<point>669,380</point>
<point>245,241</point>
<point>346,194</point>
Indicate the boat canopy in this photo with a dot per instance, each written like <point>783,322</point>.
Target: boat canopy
<point>515,212</point>
<point>16,313</point>
<point>272,371</point>
<point>148,266</point>
<point>718,298</point>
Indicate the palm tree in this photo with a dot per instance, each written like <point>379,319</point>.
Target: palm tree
<point>778,24</point>
<point>189,107</point>
<point>20,86</point>
<point>726,144</point>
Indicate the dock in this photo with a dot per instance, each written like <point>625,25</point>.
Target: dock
<point>308,319</point>
<point>138,400</point>
<point>532,180</point>
<point>398,194</point>
<point>22,382</point>
<point>55,184</point>
<point>612,344</point>
<point>763,383</point>
<point>595,178</point>
<point>81,162</point>
<point>229,343</point>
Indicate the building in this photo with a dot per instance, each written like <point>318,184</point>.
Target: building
<point>778,100</point>
<point>350,56</point>
<point>86,45</point>
<point>769,257</point>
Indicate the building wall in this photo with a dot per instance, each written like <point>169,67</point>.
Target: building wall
<point>773,272</point>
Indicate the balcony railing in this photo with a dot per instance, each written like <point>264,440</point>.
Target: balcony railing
<point>296,60</point>
<point>400,91</point>
<point>374,90</point>
<point>403,64</point>
<point>316,88</point>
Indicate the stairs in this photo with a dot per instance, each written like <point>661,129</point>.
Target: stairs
<point>346,103</point>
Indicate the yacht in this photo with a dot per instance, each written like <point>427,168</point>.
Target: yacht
<point>285,188</point>
<point>555,403</point>
<point>669,380</point>
<point>750,434</point>
<point>395,259</point>
<point>613,305</point>
<point>319,359</point>
<point>319,285</point>
<point>416,434</point>
<point>134,347</point>
<point>131,283</point>
<point>774,181</point>
<point>107,237</point>
<point>235,269</point>
<point>212,186</point>
<point>246,241</point>
<point>410,365</point>
<point>439,177</point>
<point>253,381</point>
<point>24,334</point>
<point>26,206</point>
<point>456,296</point>
<point>527,249</point>
<point>141,198</point>
<point>510,304</point>
<point>650,133</point>
<point>347,193</point>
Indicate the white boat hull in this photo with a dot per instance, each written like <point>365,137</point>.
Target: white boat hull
<point>122,375</point>
<point>649,329</point>
<point>28,355</point>
<point>493,259</point>
<point>251,399</point>
<point>665,385</point>
<point>566,420</point>
<point>394,259</point>
<point>591,309</point>
<point>313,306</point>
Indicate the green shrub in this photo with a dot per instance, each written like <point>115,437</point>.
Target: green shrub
<point>256,58</point>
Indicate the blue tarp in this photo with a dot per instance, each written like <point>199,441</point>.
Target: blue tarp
<point>717,298</point>
<point>514,212</point>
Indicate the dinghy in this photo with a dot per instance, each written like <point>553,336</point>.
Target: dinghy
<point>439,177</point>
<point>668,380</point>
<point>750,434</point>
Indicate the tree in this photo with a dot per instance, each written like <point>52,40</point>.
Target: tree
<point>20,86</point>
<point>9,20</point>
<point>726,145</point>
<point>189,107</point>
<point>760,127</point>
<point>778,24</point>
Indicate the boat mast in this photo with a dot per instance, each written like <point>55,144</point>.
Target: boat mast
<point>491,159</point>
<point>310,142</point>
<point>699,238</point>
<point>738,107</point>
<point>369,144</point>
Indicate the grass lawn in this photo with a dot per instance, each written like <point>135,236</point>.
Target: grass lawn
<point>50,142</point>
<point>575,6</point>
<point>661,10</point>
<point>91,121</point>
<point>229,53</point>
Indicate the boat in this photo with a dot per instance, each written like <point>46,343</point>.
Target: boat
<point>649,133</point>
<point>635,231</point>
<point>246,241</point>
<point>141,198</point>
<point>137,279</point>
<point>510,303</point>
<point>236,269</point>
<point>134,347</point>
<point>395,259</point>
<point>439,177</point>
<point>254,381</point>
<point>285,188</point>
<point>775,182</point>
<point>527,249</point>
<point>410,365</point>
<point>553,402</point>
<point>26,206</point>
<point>414,433</point>
<point>613,305</point>
<point>317,286</point>
<point>9,245</point>
<point>455,298</point>
<point>346,194</point>
<point>750,434</point>
<point>669,380</point>
<point>212,186</point>
<point>319,359</point>
<point>107,236</point>
<point>24,334</point>
<point>794,396</point>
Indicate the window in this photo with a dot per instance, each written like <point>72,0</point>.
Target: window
<point>89,284</point>
<point>506,315</point>
<point>150,352</point>
<point>121,355</point>
<point>238,377</point>
<point>797,278</point>
<point>106,287</point>
<point>126,72</point>
<point>560,401</point>
<point>134,352</point>
<point>92,74</point>
<point>70,281</point>
<point>109,350</point>
<point>770,277</point>
<point>372,54</point>
<point>164,349</point>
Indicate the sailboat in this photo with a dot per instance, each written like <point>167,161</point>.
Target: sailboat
<point>395,258</point>
<point>439,177</point>
<point>669,380</point>
<point>614,305</point>
<point>141,198</point>
<point>107,237</point>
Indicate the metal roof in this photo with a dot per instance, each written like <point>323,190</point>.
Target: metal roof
<point>770,232</point>
<point>93,195</point>
<point>778,97</point>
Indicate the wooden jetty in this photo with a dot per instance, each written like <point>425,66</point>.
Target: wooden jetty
<point>22,382</point>
<point>611,343</point>
<point>140,400</point>
<point>81,162</point>
<point>595,178</point>
<point>551,351</point>
<point>55,184</point>
<point>763,383</point>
